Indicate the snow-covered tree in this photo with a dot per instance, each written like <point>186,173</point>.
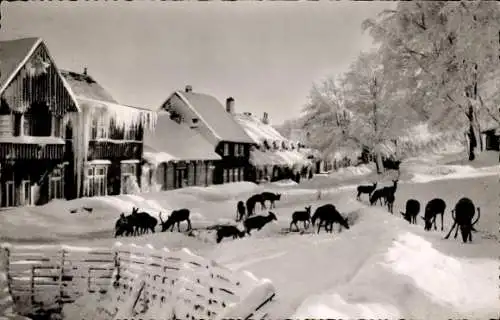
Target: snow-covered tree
<point>450,52</point>
<point>327,120</point>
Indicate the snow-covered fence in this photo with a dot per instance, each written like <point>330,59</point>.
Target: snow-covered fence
<point>131,281</point>
<point>44,277</point>
<point>158,284</point>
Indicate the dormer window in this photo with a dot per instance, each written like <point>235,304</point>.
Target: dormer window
<point>283,145</point>
<point>266,145</point>
<point>226,149</point>
<point>194,120</point>
<point>275,145</point>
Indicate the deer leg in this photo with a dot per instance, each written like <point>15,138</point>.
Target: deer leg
<point>452,227</point>
<point>189,224</point>
<point>456,231</point>
<point>304,224</point>
<point>442,219</point>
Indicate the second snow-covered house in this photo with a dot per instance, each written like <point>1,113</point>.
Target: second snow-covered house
<point>107,140</point>
<point>176,156</point>
<point>206,115</point>
<point>273,157</point>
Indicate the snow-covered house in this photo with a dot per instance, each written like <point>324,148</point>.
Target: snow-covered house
<point>272,156</point>
<point>176,156</point>
<point>107,140</point>
<point>206,115</point>
<point>35,103</point>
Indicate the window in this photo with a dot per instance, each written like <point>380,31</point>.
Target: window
<point>236,150</point>
<point>226,149</point>
<point>57,126</point>
<point>18,124</point>
<point>226,175</point>
<point>99,128</point>
<point>128,171</point>
<point>96,181</point>
<point>242,174</point>
<point>56,184</point>
<point>241,150</point>
<point>130,133</point>
<point>26,193</point>
<point>10,194</point>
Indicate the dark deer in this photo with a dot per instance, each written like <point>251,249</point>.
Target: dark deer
<point>123,227</point>
<point>377,195</point>
<point>462,216</point>
<point>252,201</point>
<point>412,210</point>
<point>390,198</point>
<point>304,216</point>
<point>143,221</point>
<point>364,189</point>
<point>240,211</point>
<point>272,197</point>
<point>433,208</point>
<point>227,232</point>
<point>390,190</point>
<point>258,222</point>
<point>329,215</point>
<point>177,216</point>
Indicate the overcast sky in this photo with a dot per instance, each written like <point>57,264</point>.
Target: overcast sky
<point>264,54</point>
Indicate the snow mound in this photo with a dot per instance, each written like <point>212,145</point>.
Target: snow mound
<point>442,277</point>
<point>347,172</point>
<point>423,174</point>
<point>287,182</point>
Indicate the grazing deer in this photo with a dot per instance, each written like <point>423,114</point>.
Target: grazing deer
<point>433,208</point>
<point>304,216</point>
<point>258,222</point>
<point>377,195</point>
<point>364,189</point>
<point>412,211</point>
<point>272,197</point>
<point>252,201</point>
<point>462,216</point>
<point>229,231</point>
<point>177,216</point>
<point>329,215</point>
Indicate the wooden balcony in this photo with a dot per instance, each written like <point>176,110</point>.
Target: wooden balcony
<point>46,148</point>
<point>114,149</point>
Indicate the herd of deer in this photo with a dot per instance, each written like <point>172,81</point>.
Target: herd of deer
<point>462,214</point>
<point>138,223</point>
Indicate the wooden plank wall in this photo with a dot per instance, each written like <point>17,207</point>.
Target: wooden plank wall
<point>140,282</point>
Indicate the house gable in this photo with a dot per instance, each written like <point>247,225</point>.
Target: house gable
<point>177,105</point>
<point>33,77</point>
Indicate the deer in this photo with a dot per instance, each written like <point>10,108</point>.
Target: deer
<point>329,215</point>
<point>272,197</point>
<point>391,189</point>
<point>240,211</point>
<point>228,231</point>
<point>435,207</point>
<point>364,189</point>
<point>304,216</point>
<point>462,216</point>
<point>412,211</point>
<point>377,195</point>
<point>252,201</point>
<point>177,216</point>
<point>258,222</point>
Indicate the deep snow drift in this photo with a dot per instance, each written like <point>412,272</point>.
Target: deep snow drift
<point>380,267</point>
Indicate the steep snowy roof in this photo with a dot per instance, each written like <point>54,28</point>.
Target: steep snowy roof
<point>214,115</point>
<point>12,55</point>
<point>85,86</point>
<point>173,141</point>
<point>258,130</point>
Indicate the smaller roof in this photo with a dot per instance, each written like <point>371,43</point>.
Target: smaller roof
<point>85,86</point>
<point>172,141</point>
<point>258,130</point>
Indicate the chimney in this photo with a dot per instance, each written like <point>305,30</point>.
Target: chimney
<point>230,105</point>
<point>85,70</point>
<point>265,118</point>
<point>188,88</point>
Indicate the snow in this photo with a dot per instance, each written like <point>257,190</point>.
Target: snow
<point>381,267</point>
<point>32,140</point>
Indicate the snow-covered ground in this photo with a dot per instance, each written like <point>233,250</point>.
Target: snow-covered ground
<point>381,267</point>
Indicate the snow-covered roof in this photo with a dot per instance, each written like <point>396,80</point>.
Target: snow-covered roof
<point>85,86</point>
<point>171,141</point>
<point>213,114</point>
<point>258,130</point>
<point>290,158</point>
<point>15,54</point>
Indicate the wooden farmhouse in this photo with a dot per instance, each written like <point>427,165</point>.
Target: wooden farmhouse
<point>61,134</point>
<point>36,102</point>
<point>177,156</point>
<point>216,124</point>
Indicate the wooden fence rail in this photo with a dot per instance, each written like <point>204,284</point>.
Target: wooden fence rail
<point>138,281</point>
